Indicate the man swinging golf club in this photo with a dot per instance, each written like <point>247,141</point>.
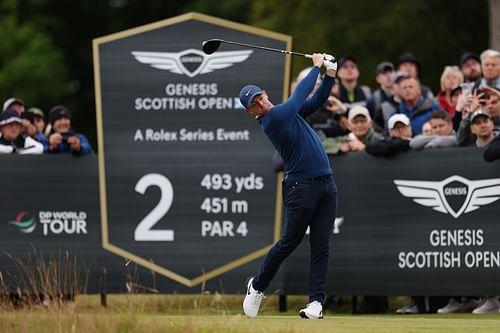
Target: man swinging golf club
<point>309,191</point>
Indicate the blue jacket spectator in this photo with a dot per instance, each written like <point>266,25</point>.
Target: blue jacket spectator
<point>63,139</point>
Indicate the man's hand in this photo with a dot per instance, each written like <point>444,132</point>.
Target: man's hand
<point>331,65</point>
<point>55,140</point>
<point>74,143</point>
<point>318,59</point>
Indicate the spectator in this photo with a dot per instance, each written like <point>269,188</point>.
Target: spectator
<point>443,135</point>
<point>38,119</point>
<point>490,66</point>
<point>63,138</point>
<point>416,107</point>
<point>399,137</point>
<point>350,92</point>
<point>470,65</point>
<point>15,104</point>
<point>361,134</point>
<point>427,128</point>
<point>12,139</point>
<point>489,98</point>
<point>481,126</point>
<point>492,106</point>
<point>383,102</point>
<point>408,63</point>
<point>450,78</point>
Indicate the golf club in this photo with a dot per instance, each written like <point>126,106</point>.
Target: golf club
<point>211,45</point>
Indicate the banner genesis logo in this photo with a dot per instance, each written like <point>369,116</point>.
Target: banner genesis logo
<point>24,222</point>
<point>191,62</point>
<point>454,195</point>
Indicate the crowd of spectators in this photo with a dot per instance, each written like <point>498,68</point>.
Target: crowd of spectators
<point>403,114</point>
<point>28,131</point>
<point>464,112</point>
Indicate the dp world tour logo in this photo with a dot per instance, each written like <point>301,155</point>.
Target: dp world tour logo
<point>24,222</point>
<point>455,195</point>
<point>191,62</point>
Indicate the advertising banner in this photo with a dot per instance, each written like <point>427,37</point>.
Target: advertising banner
<point>183,170</point>
<point>423,223</point>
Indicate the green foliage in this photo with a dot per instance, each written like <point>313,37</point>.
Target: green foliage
<point>436,31</point>
<point>33,69</point>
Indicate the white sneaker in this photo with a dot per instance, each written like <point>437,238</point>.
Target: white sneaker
<point>452,307</point>
<point>252,301</point>
<point>314,310</point>
<point>409,309</point>
<point>491,305</point>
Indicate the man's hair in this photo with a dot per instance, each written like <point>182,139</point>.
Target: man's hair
<point>440,114</point>
<point>489,54</point>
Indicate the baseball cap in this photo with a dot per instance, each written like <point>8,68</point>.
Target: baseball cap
<point>479,113</point>
<point>11,101</point>
<point>468,55</point>
<point>408,57</point>
<point>9,116</point>
<point>400,75</point>
<point>397,118</point>
<point>58,112</point>
<point>36,112</point>
<point>383,66</point>
<point>342,60</point>
<point>358,110</point>
<point>248,93</point>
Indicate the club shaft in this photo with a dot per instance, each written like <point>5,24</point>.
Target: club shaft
<point>268,49</point>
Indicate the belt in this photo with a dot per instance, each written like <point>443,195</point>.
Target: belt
<point>324,177</point>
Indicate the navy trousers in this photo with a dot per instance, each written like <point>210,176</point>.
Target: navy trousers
<point>308,203</point>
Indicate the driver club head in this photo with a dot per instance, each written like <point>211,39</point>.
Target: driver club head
<point>211,45</point>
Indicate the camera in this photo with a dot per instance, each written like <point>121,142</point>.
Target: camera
<point>66,135</point>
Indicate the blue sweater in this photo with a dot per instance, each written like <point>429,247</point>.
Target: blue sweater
<point>298,144</point>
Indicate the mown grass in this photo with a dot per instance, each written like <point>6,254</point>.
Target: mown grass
<point>219,313</point>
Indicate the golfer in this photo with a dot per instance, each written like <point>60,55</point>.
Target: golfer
<point>309,191</point>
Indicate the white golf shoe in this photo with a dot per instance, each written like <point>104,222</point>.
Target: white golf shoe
<point>314,310</point>
<point>252,301</point>
<point>490,305</point>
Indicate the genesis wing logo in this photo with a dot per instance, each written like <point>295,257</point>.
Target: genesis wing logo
<point>191,62</point>
<point>455,195</point>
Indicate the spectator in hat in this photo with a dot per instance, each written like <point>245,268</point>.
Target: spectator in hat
<point>349,91</point>
<point>38,119</point>
<point>450,79</point>
<point>63,139</point>
<point>362,133</point>
<point>490,67</point>
<point>383,102</point>
<point>20,107</point>
<point>486,99</point>
<point>15,104</point>
<point>12,140</point>
<point>33,121</point>
<point>415,106</point>
<point>481,126</point>
<point>399,137</point>
<point>443,135</point>
<point>470,65</point>
<point>407,62</point>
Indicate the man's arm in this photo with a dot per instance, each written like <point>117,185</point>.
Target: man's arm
<point>289,109</point>
<point>420,141</point>
<point>319,98</point>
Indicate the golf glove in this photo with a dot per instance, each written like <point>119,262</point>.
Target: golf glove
<point>330,62</point>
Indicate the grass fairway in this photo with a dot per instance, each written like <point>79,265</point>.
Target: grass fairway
<point>216,313</point>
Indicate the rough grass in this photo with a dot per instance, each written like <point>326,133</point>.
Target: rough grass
<point>217,313</point>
